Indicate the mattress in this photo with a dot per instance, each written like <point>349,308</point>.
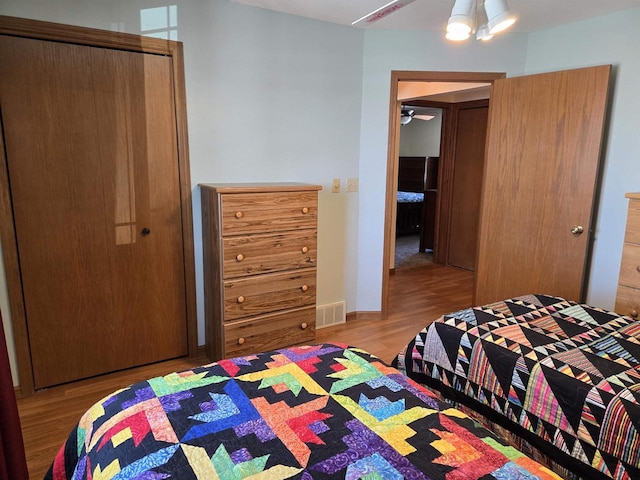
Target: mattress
<point>410,197</point>
<point>564,375</point>
<point>312,412</point>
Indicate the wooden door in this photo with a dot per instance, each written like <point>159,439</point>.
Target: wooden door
<point>470,135</point>
<point>90,138</point>
<point>543,149</point>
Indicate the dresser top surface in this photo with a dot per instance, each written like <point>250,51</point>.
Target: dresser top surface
<point>260,187</point>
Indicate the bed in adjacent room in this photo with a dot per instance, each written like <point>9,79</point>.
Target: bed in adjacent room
<point>416,198</point>
<point>313,412</point>
<point>558,378</point>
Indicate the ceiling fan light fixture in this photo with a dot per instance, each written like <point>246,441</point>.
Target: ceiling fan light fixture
<point>404,119</point>
<point>462,20</point>
<point>483,29</point>
<point>483,33</point>
<point>457,36</point>
<point>499,16</point>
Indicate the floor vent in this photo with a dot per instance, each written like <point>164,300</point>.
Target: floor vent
<point>331,314</point>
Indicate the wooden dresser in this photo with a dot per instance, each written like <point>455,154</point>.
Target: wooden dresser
<point>628,297</point>
<point>259,244</point>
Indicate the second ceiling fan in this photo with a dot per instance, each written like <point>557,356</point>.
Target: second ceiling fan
<point>408,113</point>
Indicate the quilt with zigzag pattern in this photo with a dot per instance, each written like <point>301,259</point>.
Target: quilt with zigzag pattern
<point>565,376</point>
<point>314,412</point>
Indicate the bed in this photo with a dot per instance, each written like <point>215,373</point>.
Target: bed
<point>562,376</point>
<point>313,412</point>
<point>416,198</point>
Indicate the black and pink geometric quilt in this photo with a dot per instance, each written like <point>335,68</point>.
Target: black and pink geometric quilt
<point>565,374</point>
<point>316,412</point>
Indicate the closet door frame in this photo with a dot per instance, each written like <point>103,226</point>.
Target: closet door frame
<point>19,27</point>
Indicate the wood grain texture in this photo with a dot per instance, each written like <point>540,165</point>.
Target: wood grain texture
<point>212,252</point>
<point>260,253</point>
<point>630,265</point>
<point>273,252</point>
<point>632,233</point>
<point>628,301</point>
<point>470,135</point>
<point>628,294</point>
<point>71,35</point>
<point>23,27</point>
<point>267,332</point>
<point>417,297</point>
<point>268,212</point>
<point>92,156</point>
<point>176,52</point>
<point>13,279</point>
<point>259,294</point>
<point>541,166</point>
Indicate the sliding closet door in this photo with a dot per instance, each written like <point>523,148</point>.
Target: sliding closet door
<point>91,149</point>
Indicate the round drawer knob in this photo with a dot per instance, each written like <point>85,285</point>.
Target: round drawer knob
<point>305,210</point>
<point>239,215</point>
<point>239,257</point>
<point>304,288</point>
<point>303,325</point>
<point>240,299</point>
<point>305,249</point>
<point>633,313</point>
<point>638,268</point>
<point>240,341</point>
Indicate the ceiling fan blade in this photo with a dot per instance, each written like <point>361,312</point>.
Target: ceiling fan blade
<point>424,117</point>
<point>382,12</point>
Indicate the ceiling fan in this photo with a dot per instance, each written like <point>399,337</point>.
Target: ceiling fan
<point>407,114</point>
<point>482,18</point>
<point>383,11</point>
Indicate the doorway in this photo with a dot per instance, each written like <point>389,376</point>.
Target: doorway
<point>417,185</point>
<point>542,192</point>
<point>434,89</point>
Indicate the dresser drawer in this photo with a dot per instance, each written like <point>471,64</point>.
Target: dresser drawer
<point>632,234</point>
<point>628,301</point>
<point>630,266</point>
<point>269,332</point>
<point>276,252</point>
<point>269,293</point>
<point>268,212</point>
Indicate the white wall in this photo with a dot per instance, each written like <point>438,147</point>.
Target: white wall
<point>420,138</point>
<point>385,51</point>
<point>611,39</point>
<point>277,97</point>
<point>270,97</point>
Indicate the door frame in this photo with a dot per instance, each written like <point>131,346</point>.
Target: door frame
<point>393,150</point>
<point>120,41</point>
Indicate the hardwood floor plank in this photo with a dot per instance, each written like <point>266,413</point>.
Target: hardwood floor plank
<point>417,296</point>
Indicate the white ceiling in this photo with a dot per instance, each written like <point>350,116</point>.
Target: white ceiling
<point>533,15</point>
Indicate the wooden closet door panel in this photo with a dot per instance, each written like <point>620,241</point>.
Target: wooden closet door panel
<point>54,167</point>
<point>138,137</point>
<point>81,167</point>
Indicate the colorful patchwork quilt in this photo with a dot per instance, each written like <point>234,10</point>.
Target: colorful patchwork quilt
<point>315,412</point>
<point>566,375</point>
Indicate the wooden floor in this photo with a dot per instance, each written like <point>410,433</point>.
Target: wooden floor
<point>417,296</point>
